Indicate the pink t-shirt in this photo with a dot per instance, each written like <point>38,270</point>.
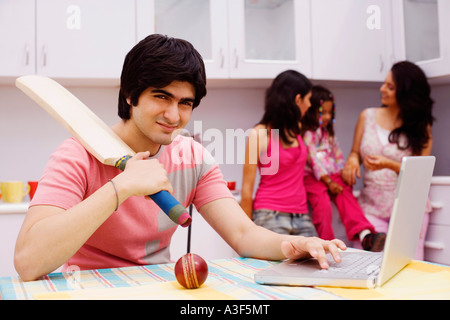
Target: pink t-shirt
<point>139,232</point>
<point>282,188</point>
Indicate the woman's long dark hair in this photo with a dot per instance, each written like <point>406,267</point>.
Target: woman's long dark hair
<point>415,103</point>
<point>310,121</point>
<point>280,111</point>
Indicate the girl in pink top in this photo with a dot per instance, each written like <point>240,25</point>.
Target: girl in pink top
<point>276,149</point>
<point>323,179</point>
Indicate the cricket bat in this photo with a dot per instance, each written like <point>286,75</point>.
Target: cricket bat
<point>97,137</point>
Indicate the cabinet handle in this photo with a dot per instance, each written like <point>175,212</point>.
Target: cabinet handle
<point>27,55</point>
<point>381,63</point>
<point>44,56</point>
<point>437,205</point>
<point>434,245</point>
<point>222,58</point>
<point>236,59</point>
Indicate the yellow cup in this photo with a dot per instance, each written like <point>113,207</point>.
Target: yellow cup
<point>14,191</point>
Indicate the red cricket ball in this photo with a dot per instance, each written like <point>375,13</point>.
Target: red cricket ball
<point>191,271</point>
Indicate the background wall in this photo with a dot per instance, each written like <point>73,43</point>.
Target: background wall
<point>28,134</point>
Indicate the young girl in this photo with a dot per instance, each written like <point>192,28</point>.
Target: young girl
<point>322,178</point>
<point>280,202</point>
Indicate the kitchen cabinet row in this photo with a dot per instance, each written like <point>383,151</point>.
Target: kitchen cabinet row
<point>349,40</point>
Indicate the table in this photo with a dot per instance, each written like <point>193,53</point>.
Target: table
<point>228,279</point>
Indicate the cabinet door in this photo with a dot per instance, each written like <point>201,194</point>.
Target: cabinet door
<point>351,39</point>
<point>17,21</point>
<point>83,38</point>
<point>268,37</point>
<point>201,22</point>
<point>422,34</point>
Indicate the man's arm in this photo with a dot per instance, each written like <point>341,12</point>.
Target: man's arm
<point>249,240</point>
<point>50,235</point>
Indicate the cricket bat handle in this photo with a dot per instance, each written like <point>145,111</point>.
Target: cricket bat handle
<point>171,207</point>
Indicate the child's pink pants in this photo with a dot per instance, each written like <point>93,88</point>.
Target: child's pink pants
<point>347,205</point>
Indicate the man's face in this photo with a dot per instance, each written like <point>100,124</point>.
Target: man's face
<point>162,112</point>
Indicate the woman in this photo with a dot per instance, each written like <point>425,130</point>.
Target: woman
<point>383,136</point>
<point>276,149</point>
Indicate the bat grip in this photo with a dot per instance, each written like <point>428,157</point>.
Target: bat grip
<point>171,207</point>
<point>176,212</point>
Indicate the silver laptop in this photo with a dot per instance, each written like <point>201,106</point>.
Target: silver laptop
<point>364,269</point>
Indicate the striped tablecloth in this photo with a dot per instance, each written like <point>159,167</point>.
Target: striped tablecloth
<point>227,279</point>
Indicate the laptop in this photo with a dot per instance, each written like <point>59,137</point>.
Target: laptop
<point>364,269</point>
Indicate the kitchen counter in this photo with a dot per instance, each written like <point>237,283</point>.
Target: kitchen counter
<point>8,208</point>
<point>11,219</point>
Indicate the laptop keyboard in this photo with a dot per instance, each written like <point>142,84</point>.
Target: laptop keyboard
<point>356,265</point>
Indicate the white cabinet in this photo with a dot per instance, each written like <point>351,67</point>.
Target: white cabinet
<point>437,244</point>
<point>351,39</point>
<point>201,22</point>
<point>74,38</point>
<point>422,34</point>
<point>354,40</point>
<point>83,38</point>
<point>17,36</point>
<point>237,38</point>
<point>267,37</point>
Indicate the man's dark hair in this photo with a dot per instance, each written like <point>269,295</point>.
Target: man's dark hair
<point>156,62</point>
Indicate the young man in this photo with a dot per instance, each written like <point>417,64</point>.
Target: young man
<point>95,216</point>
